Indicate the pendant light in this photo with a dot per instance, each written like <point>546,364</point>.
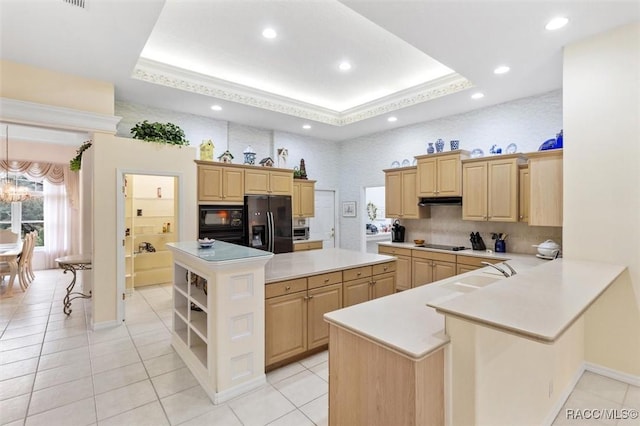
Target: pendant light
<point>10,190</point>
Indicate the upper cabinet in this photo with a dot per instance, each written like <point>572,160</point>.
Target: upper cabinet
<point>272,182</point>
<point>545,188</point>
<point>491,188</point>
<point>525,197</point>
<point>220,183</point>
<point>401,200</point>
<point>303,198</point>
<point>439,175</point>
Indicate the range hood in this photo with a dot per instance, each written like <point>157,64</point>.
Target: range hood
<point>440,201</point>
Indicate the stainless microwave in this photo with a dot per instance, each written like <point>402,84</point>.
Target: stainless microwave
<point>301,233</point>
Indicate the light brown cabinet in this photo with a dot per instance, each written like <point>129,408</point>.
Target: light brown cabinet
<point>303,198</point>
<point>428,267</point>
<point>220,183</point>
<point>491,189</point>
<point>524,194</point>
<point>545,185</point>
<point>401,200</point>
<point>403,265</point>
<point>294,314</point>
<point>471,263</point>
<point>368,283</point>
<point>272,182</point>
<point>313,245</point>
<point>439,175</point>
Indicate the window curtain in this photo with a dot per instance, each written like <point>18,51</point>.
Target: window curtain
<point>57,223</point>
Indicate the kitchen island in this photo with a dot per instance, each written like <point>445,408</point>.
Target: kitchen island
<point>218,315</point>
<point>443,350</point>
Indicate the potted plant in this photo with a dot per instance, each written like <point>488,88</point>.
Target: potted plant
<point>167,133</point>
<point>76,161</point>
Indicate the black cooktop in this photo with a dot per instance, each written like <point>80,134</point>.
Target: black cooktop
<point>442,247</point>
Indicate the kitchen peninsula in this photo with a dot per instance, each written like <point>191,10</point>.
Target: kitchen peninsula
<point>449,350</point>
<point>223,311</point>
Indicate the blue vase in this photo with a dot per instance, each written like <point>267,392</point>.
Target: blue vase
<point>430,149</point>
<point>439,145</point>
<point>455,144</point>
<point>559,138</point>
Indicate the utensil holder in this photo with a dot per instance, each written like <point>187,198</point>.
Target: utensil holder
<point>500,246</point>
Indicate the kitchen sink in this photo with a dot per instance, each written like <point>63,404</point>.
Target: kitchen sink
<point>470,283</point>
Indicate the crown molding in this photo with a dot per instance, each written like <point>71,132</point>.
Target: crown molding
<point>177,78</point>
<point>31,113</point>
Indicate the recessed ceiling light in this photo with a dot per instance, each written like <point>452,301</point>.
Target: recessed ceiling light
<point>477,95</point>
<point>344,66</point>
<point>502,69</point>
<point>306,126</point>
<point>392,119</point>
<point>556,23</point>
<point>269,33</point>
<point>216,108</point>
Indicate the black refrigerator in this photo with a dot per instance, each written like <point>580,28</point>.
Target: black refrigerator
<point>269,223</point>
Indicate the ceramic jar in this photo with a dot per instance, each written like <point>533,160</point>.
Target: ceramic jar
<point>439,145</point>
<point>430,149</point>
<point>455,145</point>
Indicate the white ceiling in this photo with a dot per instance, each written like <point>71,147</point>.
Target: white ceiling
<point>187,55</point>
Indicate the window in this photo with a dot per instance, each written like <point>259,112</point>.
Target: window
<point>26,215</point>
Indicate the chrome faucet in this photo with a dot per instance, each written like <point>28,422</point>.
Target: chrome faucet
<point>505,273</point>
<point>513,271</point>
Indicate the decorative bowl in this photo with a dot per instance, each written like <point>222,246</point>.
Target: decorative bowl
<point>206,243</point>
<point>418,242</point>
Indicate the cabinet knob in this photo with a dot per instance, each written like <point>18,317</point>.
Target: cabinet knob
<point>521,217</point>
<point>359,273</point>
<point>287,288</point>
<point>326,280</point>
<point>385,269</point>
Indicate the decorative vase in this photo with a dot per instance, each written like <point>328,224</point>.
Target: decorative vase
<point>439,145</point>
<point>455,145</point>
<point>559,138</point>
<point>430,149</point>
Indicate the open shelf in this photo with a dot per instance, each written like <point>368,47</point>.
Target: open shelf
<point>180,279</point>
<point>180,328</point>
<point>199,349</point>
<point>180,304</point>
<point>199,323</point>
<point>199,298</point>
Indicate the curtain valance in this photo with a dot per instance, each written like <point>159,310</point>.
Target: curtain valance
<point>52,172</point>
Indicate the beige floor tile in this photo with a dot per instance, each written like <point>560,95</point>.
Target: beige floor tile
<point>261,406</point>
<point>61,358</point>
<point>150,414</point>
<point>604,387</point>
<point>65,344</point>
<point>123,399</point>
<point>173,382</point>
<point>21,342</point>
<point>632,399</point>
<point>322,370</point>
<point>119,377</point>
<point>23,331</point>
<point>63,374</point>
<point>108,334</point>
<point>20,354</point>
<point>315,359</point>
<point>111,346</point>
<point>17,386</point>
<point>219,415</point>
<point>114,360</point>
<point>14,409</point>
<point>77,413</point>
<point>302,388</point>
<point>294,418</point>
<point>579,401</point>
<point>18,368</point>
<point>64,333</point>
<point>27,321</point>
<point>284,372</point>
<point>151,337</point>
<point>156,349</point>
<point>186,405</point>
<point>163,364</point>
<point>57,396</point>
<point>318,410</point>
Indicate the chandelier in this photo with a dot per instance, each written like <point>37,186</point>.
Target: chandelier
<point>10,190</point>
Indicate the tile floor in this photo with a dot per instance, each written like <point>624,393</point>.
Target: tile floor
<point>54,371</point>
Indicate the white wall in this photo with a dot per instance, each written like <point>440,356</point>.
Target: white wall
<point>526,122</point>
<point>602,184</point>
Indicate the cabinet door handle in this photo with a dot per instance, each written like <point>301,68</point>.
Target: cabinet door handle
<point>373,282</point>
<point>308,297</point>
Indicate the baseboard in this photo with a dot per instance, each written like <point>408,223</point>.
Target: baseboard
<point>555,410</point>
<point>613,374</point>
<point>105,324</point>
<point>240,389</point>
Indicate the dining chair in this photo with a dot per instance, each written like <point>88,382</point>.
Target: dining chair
<point>28,260</point>
<point>6,236</point>
<point>6,270</point>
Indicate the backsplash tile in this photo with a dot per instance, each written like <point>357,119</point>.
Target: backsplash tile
<point>445,226</point>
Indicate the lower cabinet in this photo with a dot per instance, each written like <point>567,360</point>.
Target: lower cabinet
<point>403,265</point>
<point>428,267</point>
<point>312,245</point>
<point>294,314</point>
<point>471,263</point>
<point>368,283</point>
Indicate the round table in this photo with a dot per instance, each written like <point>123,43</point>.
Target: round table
<point>73,263</point>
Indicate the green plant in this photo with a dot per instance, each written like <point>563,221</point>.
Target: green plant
<point>167,133</point>
<point>372,211</point>
<point>76,161</point>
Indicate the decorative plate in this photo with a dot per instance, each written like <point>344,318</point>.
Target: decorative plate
<point>511,148</point>
<point>477,153</point>
<point>395,164</point>
<point>405,163</point>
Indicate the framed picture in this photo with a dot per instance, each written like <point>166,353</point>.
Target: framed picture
<point>349,209</point>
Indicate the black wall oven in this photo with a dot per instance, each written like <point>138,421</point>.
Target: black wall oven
<point>224,223</point>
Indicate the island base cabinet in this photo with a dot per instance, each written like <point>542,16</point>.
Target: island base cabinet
<point>321,300</point>
<point>356,291</point>
<point>375,386</point>
<point>285,327</point>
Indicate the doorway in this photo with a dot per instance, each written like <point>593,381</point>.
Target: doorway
<point>323,225</point>
<point>150,221</point>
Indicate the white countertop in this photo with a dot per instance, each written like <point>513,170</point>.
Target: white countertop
<point>539,303</point>
<point>529,259</point>
<point>220,251</point>
<point>287,266</point>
